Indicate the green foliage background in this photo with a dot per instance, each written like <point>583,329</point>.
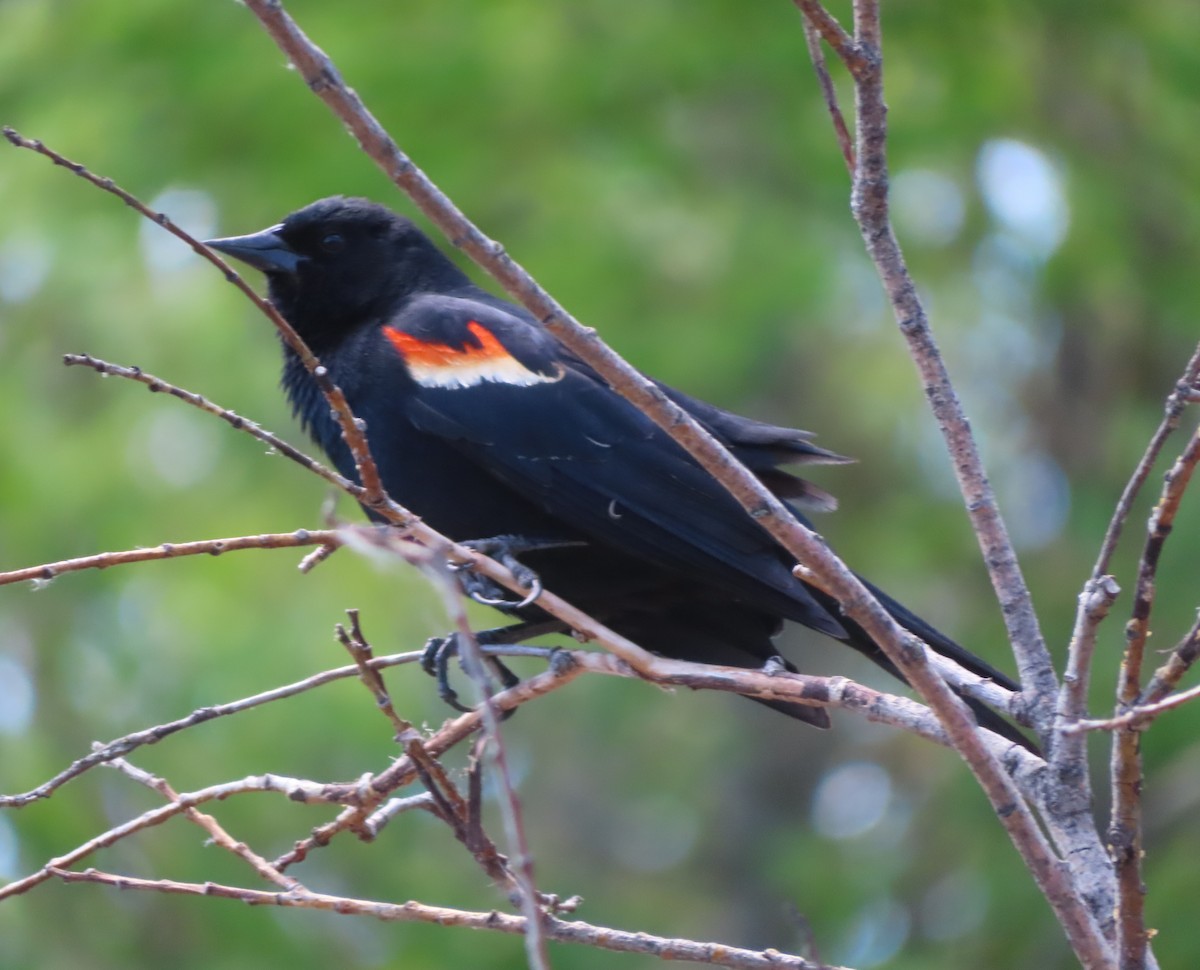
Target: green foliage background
<point>667,171</point>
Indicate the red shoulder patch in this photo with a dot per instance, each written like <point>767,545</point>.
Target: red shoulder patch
<point>434,364</point>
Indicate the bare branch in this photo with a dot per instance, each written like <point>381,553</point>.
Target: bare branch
<point>210,825</point>
<point>1072,808</point>
<point>130,742</point>
<point>157,385</point>
<point>1125,827</point>
<point>834,34</point>
<point>1162,519</point>
<point>1184,393</point>
<point>1168,676</point>
<point>401,772</point>
<point>491,746</point>
<point>1137,718</point>
<point>362,654</point>
<point>562,931</point>
<point>812,37</point>
<point>294,789</point>
<point>353,430</point>
<point>870,205</point>
<point>446,801</point>
<point>170,550</point>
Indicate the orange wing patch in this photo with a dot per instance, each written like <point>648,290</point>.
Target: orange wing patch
<point>433,364</point>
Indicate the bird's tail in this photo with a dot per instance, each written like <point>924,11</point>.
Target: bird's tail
<point>857,638</point>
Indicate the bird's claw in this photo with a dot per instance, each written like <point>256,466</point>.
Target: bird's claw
<point>505,549</point>
<point>435,661</point>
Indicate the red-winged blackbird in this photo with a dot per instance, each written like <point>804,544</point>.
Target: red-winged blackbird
<point>484,425</point>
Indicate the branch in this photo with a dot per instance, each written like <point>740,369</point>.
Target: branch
<point>870,204</point>
<point>449,805</point>
<point>1137,718</point>
<point>295,789</point>
<point>170,550</point>
<point>812,37</point>
<point>601,937</point>
<point>1072,807</point>
<point>1184,393</point>
<point>1125,827</point>
<point>210,825</point>
<point>1168,676</point>
<point>834,692</point>
<point>353,430</point>
<point>492,747</point>
<point>1069,752</point>
<point>835,35</point>
<point>130,742</point>
<point>157,385</point>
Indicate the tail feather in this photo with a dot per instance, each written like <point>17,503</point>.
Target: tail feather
<point>857,638</point>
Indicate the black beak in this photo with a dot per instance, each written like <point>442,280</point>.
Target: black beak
<point>264,250</point>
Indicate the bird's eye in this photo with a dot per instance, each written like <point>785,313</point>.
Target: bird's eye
<point>333,243</point>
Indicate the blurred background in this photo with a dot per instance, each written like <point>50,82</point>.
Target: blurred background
<point>668,171</point>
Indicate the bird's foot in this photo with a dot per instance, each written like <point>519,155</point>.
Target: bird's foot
<point>435,661</point>
<point>505,550</point>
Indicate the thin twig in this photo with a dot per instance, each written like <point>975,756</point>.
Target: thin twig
<point>131,742</point>
<point>362,654</point>
<point>834,34</point>
<point>353,430</point>
<point>315,558</point>
<point>294,789</point>
<point>812,38</point>
<point>45,572</point>
<point>1184,393</point>
<point>870,205</point>
<point>403,771</point>
<point>1094,604</point>
<point>519,874</point>
<point>156,385</point>
<point>1168,676</point>
<point>492,747</point>
<point>447,802</point>
<point>1137,718</point>
<point>562,931</point>
<point>377,820</point>
<point>1125,827</point>
<point>210,825</point>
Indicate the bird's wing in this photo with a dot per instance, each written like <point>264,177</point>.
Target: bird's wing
<point>763,447</point>
<point>498,388</point>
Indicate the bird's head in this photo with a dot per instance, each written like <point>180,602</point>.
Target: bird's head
<point>341,263</point>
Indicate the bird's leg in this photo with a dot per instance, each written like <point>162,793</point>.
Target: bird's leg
<point>505,549</point>
<point>438,651</point>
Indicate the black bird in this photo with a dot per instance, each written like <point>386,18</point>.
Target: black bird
<point>484,425</point>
